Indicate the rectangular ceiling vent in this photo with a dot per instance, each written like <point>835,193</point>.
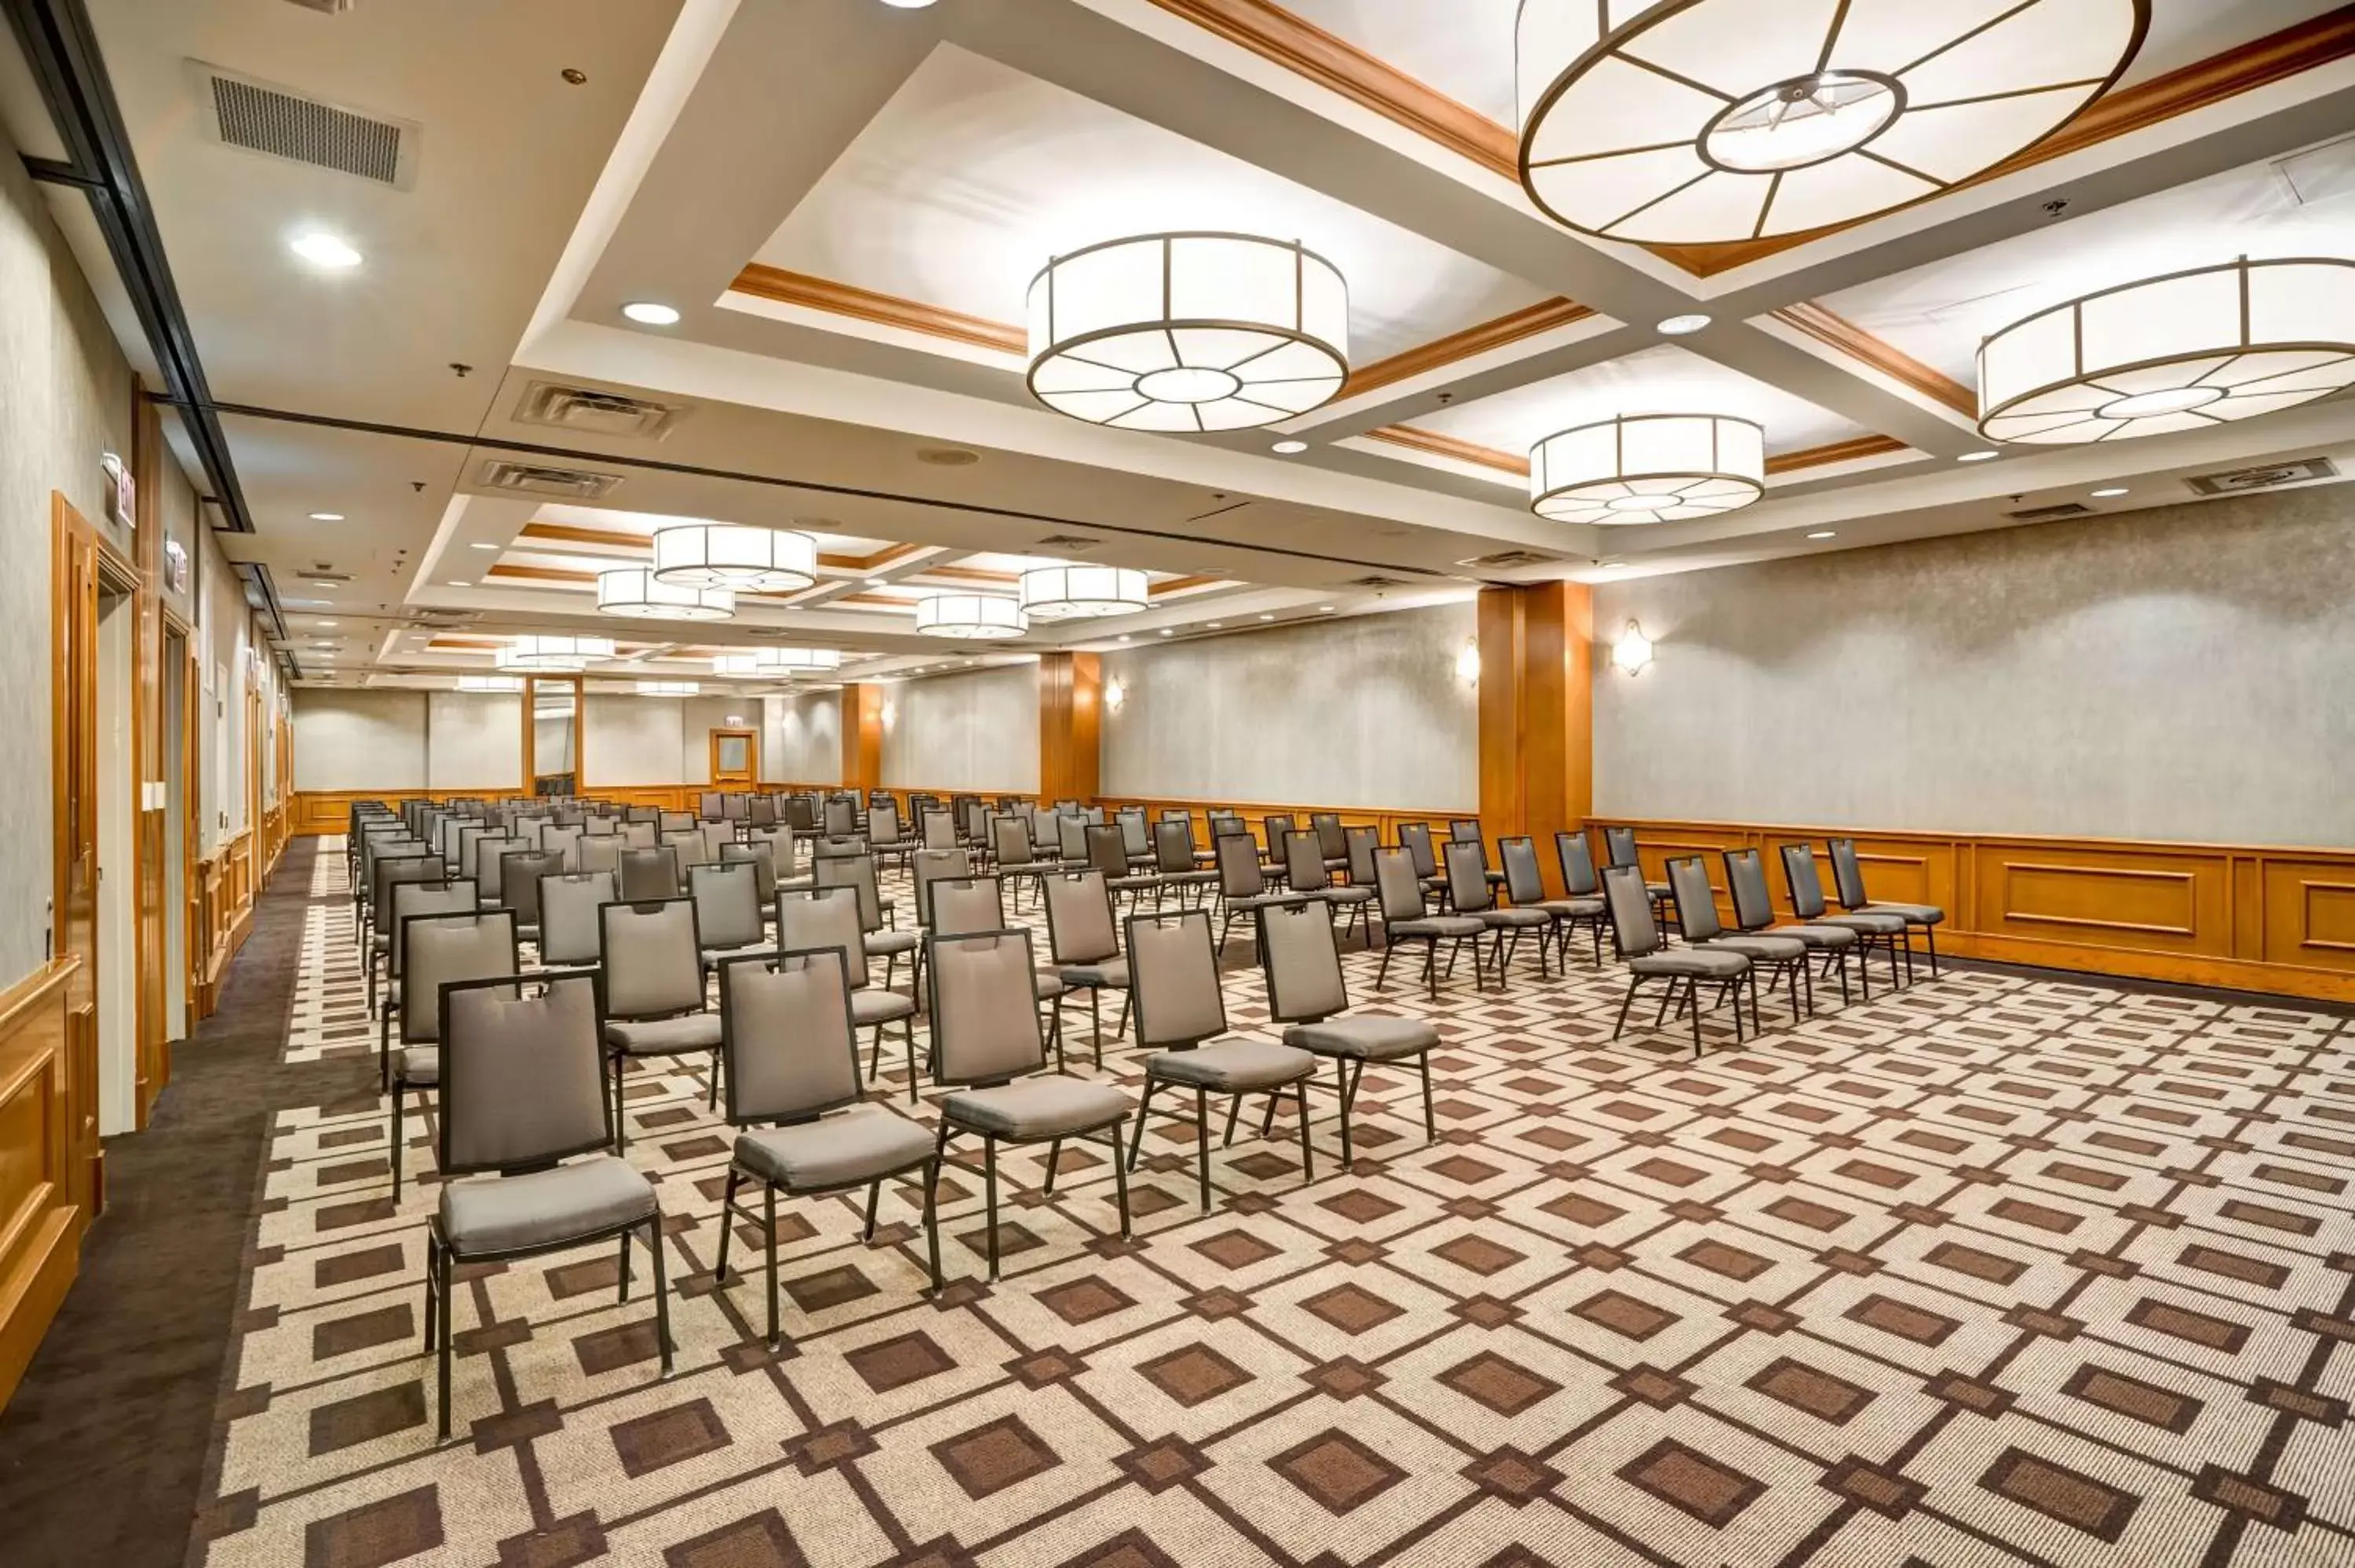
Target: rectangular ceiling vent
<point>1375,584</point>
<point>320,575</point>
<point>2269,476</point>
<point>587,411</point>
<point>529,479</point>
<point>262,117</point>
<point>1068,542</point>
<point>332,7</point>
<point>1505,560</point>
<point>2052,514</point>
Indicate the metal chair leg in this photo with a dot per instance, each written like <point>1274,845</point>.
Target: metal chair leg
<point>874,1196</point>
<point>1119,1182</point>
<point>1054,1159</point>
<point>1202,1145</point>
<point>432,1252</point>
<point>399,1156</point>
<point>1625,1003</point>
<point>989,1186</point>
<point>769,1237</point>
<point>727,1224</point>
<point>1341,1068</point>
<point>1307,1154</point>
<point>1430,1115</point>
<point>442,1285</point>
<point>1144,1105</point>
<point>662,1287</point>
<point>932,1217</point>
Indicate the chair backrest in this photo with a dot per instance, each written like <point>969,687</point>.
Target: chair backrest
<point>1134,836</point>
<point>1080,928</point>
<point>789,1049</point>
<point>1630,902</point>
<point>1524,876</point>
<point>1696,900</point>
<point>650,874</point>
<point>676,822</point>
<point>1072,835</point>
<point>1240,875</point>
<point>1847,873</point>
<point>652,957</point>
<point>455,897</point>
<point>562,840</point>
<point>1415,839</point>
<point>1361,844</point>
<point>489,862</point>
<point>1107,850</point>
<point>569,902</point>
<point>1619,847</point>
<point>519,874</point>
<point>1303,862</point>
<point>404,865</point>
<point>827,847</point>
<point>801,813</point>
<point>726,904</point>
<point>1806,884</point>
<point>1398,884</point>
<point>599,852</point>
<point>927,866</point>
<point>1302,959</point>
<point>523,1074</point>
<point>733,807</point>
<point>985,1008</point>
<point>825,917</point>
<point>1277,827</point>
<point>938,829</point>
<point>757,855</point>
<point>964,905</point>
<point>1173,845</point>
<point>640,832</point>
<point>691,847</point>
<point>1745,882</point>
<point>1173,976</point>
<point>841,819</point>
<point>1326,826</point>
<point>1464,829</point>
<point>1468,877</point>
<point>601,828</point>
<point>760,810</point>
<point>1577,858</point>
<point>438,949</point>
<point>1010,840</point>
<point>641,814</point>
<point>856,872</point>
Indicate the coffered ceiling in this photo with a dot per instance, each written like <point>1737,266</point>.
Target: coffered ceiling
<point>845,201</point>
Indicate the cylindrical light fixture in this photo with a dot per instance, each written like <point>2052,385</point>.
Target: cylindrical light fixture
<point>490,682</point>
<point>733,556</point>
<point>776,663</point>
<point>1188,332</point>
<point>1648,468</point>
<point>636,591</point>
<point>972,617</point>
<point>541,652</point>
<point>1081,593</point>
<point>2183,352</point>
<point>668,688</point>
<point>1720,121</point>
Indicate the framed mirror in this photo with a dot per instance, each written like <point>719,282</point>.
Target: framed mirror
<point>551,735</point>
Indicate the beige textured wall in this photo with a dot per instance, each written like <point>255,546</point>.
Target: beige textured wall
<point>977,731</point>
<point>800,739</point>
<point>2186,673</point>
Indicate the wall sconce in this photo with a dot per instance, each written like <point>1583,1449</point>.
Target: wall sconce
<point>890,715</point>
<point>1467,663</point>
<point>1114,693</point>
<point>1633,651</point>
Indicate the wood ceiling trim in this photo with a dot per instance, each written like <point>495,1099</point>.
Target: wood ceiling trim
<point>1169,586</point>
<point>786,288</point>
<point>1837,331</point>
<point>1479,338</point>
<point>1438,445</point>
<point>1849,451</point>
<point>574,533</point>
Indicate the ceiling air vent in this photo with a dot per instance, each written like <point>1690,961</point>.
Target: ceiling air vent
<point>332,7</point>
<point>1375,584</point>
<point>2052,514</point>
<point>2271,476</point>
<point>260,117</point>
<point>1068,542</point>
<point>320,575</point>
<point>589,412</point>
<point>1505,560</point>
<point>528,479</point>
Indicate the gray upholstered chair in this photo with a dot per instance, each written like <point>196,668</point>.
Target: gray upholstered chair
<point>1783,958</point>
<point>600,852</point>
<point>1753,915</point>
<point>670,822</point>
<point>729,918</point>
<point>1525,885</point>
<point>761,812</point>
<point>1013,854</point>
<point>1405,918</point>
<point>1107,853</point>
<point>486,860</point>
<point>1179,1011</point>
<point>650,874</point>
<point>1309,874</point>
<point>1242,880</point>
<point>1084,944</point>
<point>878,917</point>
<point>1332,839</point>
<point>1585,905</point>
<point>691,848</point>
<point>1847,880</point>
<point>1471,891</point>
<point>828,917</point>
<point>937,829</point>
<point>569,902</point>
<point>711,805</point>
<point>413,898</point>
<point>522,1092</point>
<point>437,950</point>
<point>840,820</point>
<point>392,869</point>
<point>1884,932</point>
<point>883,839</point>
<point>986,1044</point>
<point>786,1036</point>
<point>1306,992</point>
<point>1619,849</point>
<point>760,855</point>
<point>1649,958</point>
<point>652,963</point>
<point>1415,839</point>
<point>1275,827</point>
<point>519,874</point>
<point>564,841</point>
<point>1177,868</point>
<point>961,906</point>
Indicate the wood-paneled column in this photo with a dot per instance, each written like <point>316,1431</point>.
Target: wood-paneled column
<point>1070,726</point>
<point>862,736</point>
<point>1537,713</point>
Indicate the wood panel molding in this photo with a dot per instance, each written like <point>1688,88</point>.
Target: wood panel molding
<point>1837,333</point>
<point>1478,338</point>
<point>1451,447</point>
<point>46,1195</point>
<point>1070,726</point>
<point>788,287</point>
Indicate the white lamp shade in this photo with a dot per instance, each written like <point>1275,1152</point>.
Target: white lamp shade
<point>1710,121</point>
<point>1189,332</point>
<point>770,663</point>
<point>668,688</point>
<point>550,651</point>
<point>490,682</point>
<point>1648,468</point>
<point>2183,352</point>
<point>1633,651</point>
<point>636,591</point>
<point>731,556</point>
<point>1081,593</point>
<point>971,617</point>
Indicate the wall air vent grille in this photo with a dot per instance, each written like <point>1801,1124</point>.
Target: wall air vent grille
<point>527,478</point>
<point>589,412</point>
<point>2053,514</point>
<point>260,117</point>
<point>1505,560</point>
<point>2269,476</point>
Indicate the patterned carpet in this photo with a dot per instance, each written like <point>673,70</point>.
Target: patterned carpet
<point>1991,1271</point>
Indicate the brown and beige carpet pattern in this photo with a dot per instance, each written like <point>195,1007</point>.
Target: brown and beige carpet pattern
<point>1988,1271</point>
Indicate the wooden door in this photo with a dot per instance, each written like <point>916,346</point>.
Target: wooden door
<point>735,758</point>
<point>73,924</point>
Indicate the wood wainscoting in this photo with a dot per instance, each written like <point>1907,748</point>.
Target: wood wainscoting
<point>2238,916</point>
<point>49,1154</point>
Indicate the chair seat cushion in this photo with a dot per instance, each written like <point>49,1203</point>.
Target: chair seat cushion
<point>1867,924</point>
<point>381,942</point>
<point>417,1064</point>
<point>837,1152</point>
<point>1346,895</point>
<point>795,884</point>
<point>712,957</point>
<point>1913,914</point>
<point>1373,1038</point>
<point>1053,1107</point>
<point>886,944</point>
<point>1513,917</point>
<point>1111,975</point>
<point>1574,908</point>
<point>544,1208</point>
<point>1048,983</point>
<point>1822,938</point>
<point>1701,963</point>
<point>1234,1067</point>
<point>872,1006</point>
<point>664,1036</point>
<point>1131,883</point>
<point>1190,878</point>
<point>1765,950</point>
<point>1439,926</point>
<point>1262,900</point>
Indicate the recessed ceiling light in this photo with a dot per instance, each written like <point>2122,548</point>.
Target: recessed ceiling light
<point>1324,609</point>
<point>1681,326</point>
<point>326,623</point>
<point>1124,637</point>
<point>2106,494</point>
<point>327,516</point>
<point>1214,625</point>
<point>455,583</point>
<point>647,312</point>
<point>321,248</point>
<point>1164,631</point>
<point>1978,457</point>
<point>1289,449</point>
<point>908,5</point>
<point>1823,534</point>
<point>479,545</point>
<point>1267,618</point>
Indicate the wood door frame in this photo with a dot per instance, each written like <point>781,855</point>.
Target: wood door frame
<point>751,738</point>
<point>531,684</point>
<point>79,553</point>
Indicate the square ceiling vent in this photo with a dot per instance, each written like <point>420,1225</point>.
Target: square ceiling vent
<point>532,479</point>
<point>587,411</point>
<point>238,110</point>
